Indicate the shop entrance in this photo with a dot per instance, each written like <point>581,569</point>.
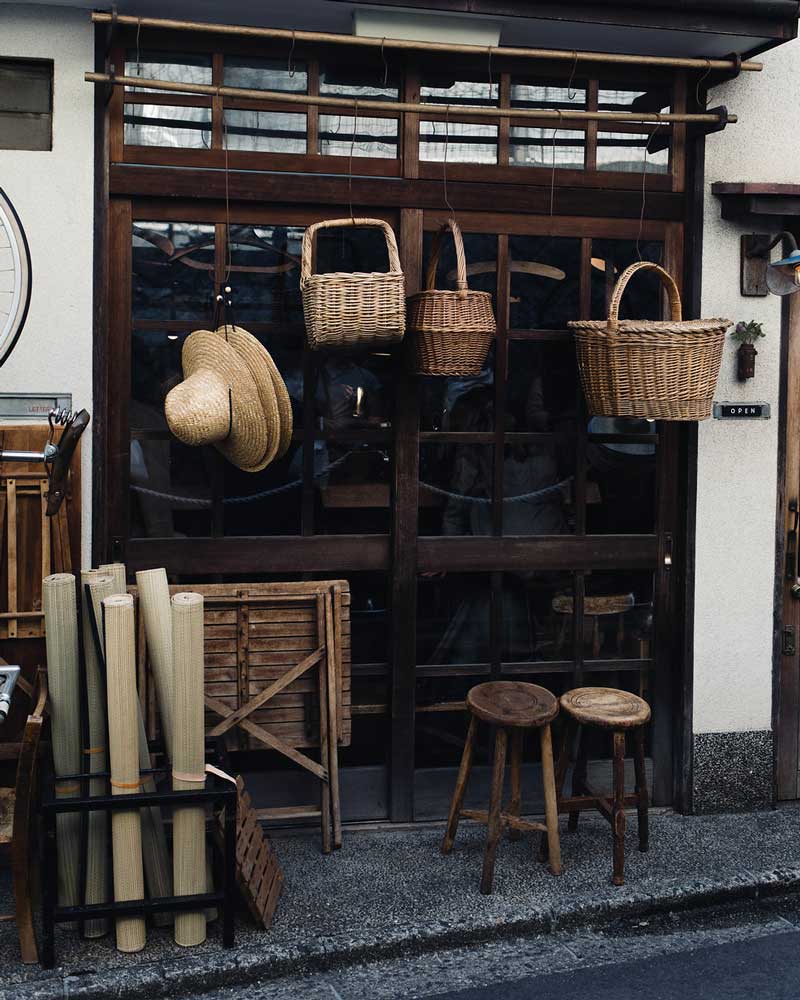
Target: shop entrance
<point>487,527</point>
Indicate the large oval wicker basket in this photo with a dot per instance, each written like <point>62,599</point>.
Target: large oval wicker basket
<point>657,369</point>
<point>453,329</point>
<point>353,309</point>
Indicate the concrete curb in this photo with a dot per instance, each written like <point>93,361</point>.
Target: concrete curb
<point>244,966</point>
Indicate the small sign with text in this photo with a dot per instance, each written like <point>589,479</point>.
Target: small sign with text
<point>741,411</point>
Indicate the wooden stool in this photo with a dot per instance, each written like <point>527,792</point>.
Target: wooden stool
<point>514,706</point>
<point>617,711</point>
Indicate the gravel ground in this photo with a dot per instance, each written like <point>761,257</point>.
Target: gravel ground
<point>391,894</point>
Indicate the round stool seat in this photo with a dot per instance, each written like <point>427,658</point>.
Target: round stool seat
<point>513,704</point>
<point>606,707</point>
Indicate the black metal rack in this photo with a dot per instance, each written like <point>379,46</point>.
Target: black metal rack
<point>220,793</point>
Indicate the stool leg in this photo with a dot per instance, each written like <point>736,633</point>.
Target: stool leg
<point>515,805</point>
<point>550,801</point>
<point>562,764</point>
<point>578,776</point>
<point>495,824</point>
<point>618,820</point>
<point>460,789</point>
<point>641,790</point>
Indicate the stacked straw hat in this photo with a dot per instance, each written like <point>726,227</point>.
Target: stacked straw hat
<point>232,396</point>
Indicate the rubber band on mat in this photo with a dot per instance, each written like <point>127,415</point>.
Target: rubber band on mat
<point>91,750</point>
<point>125,784</point>
<point>68,789</point>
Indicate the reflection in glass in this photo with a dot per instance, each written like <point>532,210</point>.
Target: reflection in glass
<point>350,81</point>
<point>617,617</point>
<point>531,630</point>
<point>265,274</point>
<point>176,67</point>
<point>456,486</point>
<point>252,73</point>
<point>445,403</point>
<point>165,125</point>
<point>375,137</point>
<point>627,151</point>
<point>440,88</point>
<point>619,96</point>
<point>164,465</point>
<point>265,131</point>
<point>643,296</point>
<point>545,278</point>
<point>350,249</point>
<point>173,271</point>
<point>542,393</point>
<point>536,93</point>
<point>355,392</point>
<point>622,478</point>
<point>459,142</point>
<point>453,618</point>
<point>541,147</point>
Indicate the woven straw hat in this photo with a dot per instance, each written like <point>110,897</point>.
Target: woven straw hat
<point>271,388</point>
<point>218,402</point>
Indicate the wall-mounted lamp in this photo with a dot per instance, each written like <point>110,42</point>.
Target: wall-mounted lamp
<point>759,276</point>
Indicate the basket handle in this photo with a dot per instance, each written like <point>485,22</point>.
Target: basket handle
<point>461,259</point>
<point>311,231</point>
<point>666,280</point>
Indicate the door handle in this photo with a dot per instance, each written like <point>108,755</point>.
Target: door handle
<point>791,542</point>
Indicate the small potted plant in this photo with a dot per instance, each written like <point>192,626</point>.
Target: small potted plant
<point>746,335</point>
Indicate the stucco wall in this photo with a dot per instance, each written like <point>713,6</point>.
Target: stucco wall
<point>737,461</point>
<point>52,193</point>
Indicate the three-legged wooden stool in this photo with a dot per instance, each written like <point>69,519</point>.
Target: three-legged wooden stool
<point>618,712</point>
<point>508,706</point>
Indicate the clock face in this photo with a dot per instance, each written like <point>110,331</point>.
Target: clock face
<point>15,277</point>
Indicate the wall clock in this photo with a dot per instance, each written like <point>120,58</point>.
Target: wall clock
<point>15,277</point>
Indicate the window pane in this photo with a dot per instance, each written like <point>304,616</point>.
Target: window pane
<point>455,404</point>
<point>535,625</point>
<point>351,249</point>
<point>346,81</point>
<point>173,271</point>
<point>620,96</point>
<point>542,393</point>
<point>265,131</point>
<point>374,137</point>
<point>618,620</point>
<point>275,509</point>
<point>626,151</point>
<point>352,487</point>
<point>545,280</point>
<point>163,125</point>
<point>355,392</point>
<point>621,487</point>
<point>177,67</point>
<point>26,86</point>
<point>453,618</point>
<point>542,147</point>
<point>440,88</point>
<point>538,480</point>
<point>252,73</point>
<point>265,274</point>
<point>537,93</point>
<point>459,142</point>
<point>162,471</point>
<point>455,489</point>
<point>643,296</point>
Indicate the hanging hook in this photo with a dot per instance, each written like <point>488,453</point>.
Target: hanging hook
<point>553,163</point>
<point>572,94</point>
<point>350,166</point>
<point>444,161</point>
<point>644,182</point>
<point>289,64</point>
<point>491,82</point>
<point>385,64</point>
<point>700,79</point>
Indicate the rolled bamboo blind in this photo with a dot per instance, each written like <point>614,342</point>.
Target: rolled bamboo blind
<point>61,639</point>
<point>154,604</point>
<point>97,870</point>
<point>123,741</point>
<point>188,823</point>
<point>156,856</point>
<point>118,574</point>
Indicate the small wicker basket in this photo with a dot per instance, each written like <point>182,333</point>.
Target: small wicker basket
<point>454,329</point>
<point>353,309</point>
<point>656,369</point>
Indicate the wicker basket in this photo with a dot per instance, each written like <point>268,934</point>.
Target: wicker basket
<point>657,369</point>
<point>353,309</point>
<point>454,330</point>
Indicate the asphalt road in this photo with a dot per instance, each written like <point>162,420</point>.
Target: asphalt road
<point>767,968</point>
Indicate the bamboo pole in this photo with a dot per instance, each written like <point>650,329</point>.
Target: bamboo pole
<point>156,856</point>
<point>61,640</point>
<point>189,823</point>
<point>455,112</point>
<point>362,41</point>
<point>97,870</point>
<point>123,741</point>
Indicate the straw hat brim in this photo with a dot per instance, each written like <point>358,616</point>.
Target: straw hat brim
<point>218,402</point>
<point>271,387</point>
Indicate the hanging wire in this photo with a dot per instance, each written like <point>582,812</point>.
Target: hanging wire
<point>229,255</point>
<point>703,104</point>
<point>385,64</point>
<point>491,82</point>
<point>444,161</point>
<point>572,94</point>
<point>289,64</point>
<point>138,48</point>
<point>350,167</point>
<point>644,188</point>
<point>553,163</point>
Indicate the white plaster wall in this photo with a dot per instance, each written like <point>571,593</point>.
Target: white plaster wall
<point>52,193</point>
<point>737,461</point>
